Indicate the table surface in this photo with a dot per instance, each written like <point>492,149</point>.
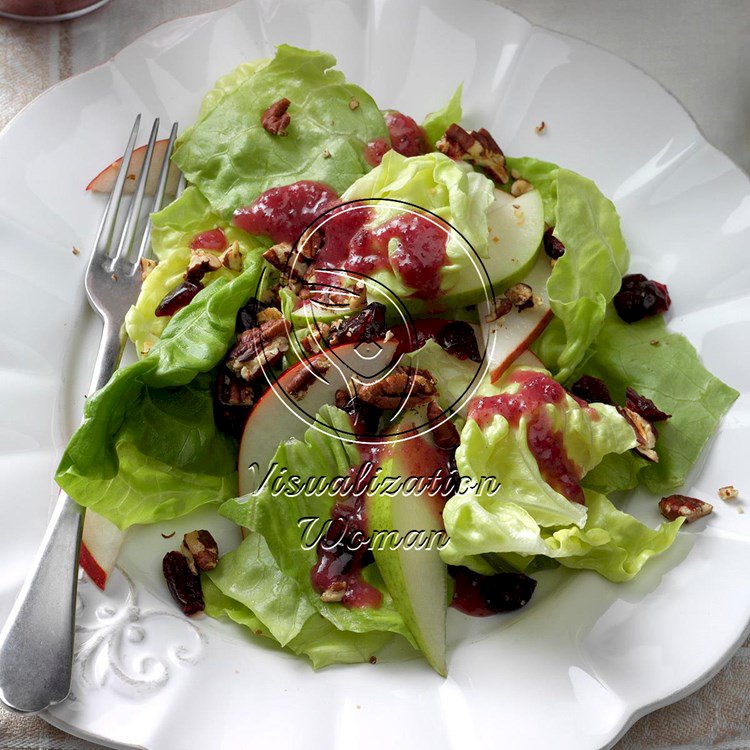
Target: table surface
<point>698,50</point>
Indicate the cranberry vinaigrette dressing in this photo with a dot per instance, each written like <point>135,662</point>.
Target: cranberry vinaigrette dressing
<point>545,443</point>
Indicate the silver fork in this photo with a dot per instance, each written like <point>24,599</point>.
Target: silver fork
<point>36,643</point>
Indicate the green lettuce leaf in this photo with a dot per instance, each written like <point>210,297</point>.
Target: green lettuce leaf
<point>449,189</point>
<point>436,123</point>
<point>526,516</point>
<point>148,448</point>
<point>248,586</point>
<point>320,454</point>
<point>590,272</point>
<point>232,159</point>
<point>671,374</point>
<point>173,229</point>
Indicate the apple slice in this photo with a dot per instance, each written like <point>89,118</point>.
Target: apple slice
<point>105,180</point>
<point>512,334</point>
<point>100,546</point>
<point>414,573</point>
<point>278,416</point>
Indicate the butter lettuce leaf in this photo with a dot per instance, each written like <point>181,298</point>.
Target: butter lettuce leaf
<point>148,448</point>
<point>526,516</point>
<point>248,587</point>
<point>449,189</point>
<point>172,231</point>
<point>436,123</point>
<point>664,367</point>
<point>275,515</point>
<point>231,158</point>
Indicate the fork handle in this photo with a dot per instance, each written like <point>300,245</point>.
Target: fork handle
<point>36,643</point>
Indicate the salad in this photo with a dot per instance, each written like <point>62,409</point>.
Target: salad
<point>411,368</point>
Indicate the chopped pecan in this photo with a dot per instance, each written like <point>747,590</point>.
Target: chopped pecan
<point>643,406</point>
<point>147,265</point>
<point>520,187</point>
<point>184,586</point>
<point>310,243</point>
<point>231,258</point>
<point>317,340</point>
<point>644,433</point>
<point>280,257</point>
<point>540,128</point>
<point>200,550</point>
<point>200,264</point>
<point>257,347</point>
<point>353,104</point>
<point>445,433</point>
<point>502,307</point>
<point>729,492</point>
<point>275,120</point>
<point>521,295</point>
<point>477,147</point>
<point>308,373</point>
<point>334,593</point>
<point>682,506</point>
<point>406,386</point>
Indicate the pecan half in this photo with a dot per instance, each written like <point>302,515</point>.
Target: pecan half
<point>258,347</point>
<point>200,264</point>
<point>644,433</point>
<point>682,506</point>
<point>477,147</point>
<point>445,433</point>
<point>200,550</point>
<point>308,373</point>
<point>183,584</point>
<point>275,120</point>
<point>406,386</point>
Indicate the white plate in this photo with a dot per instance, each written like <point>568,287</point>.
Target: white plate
<point>575,668</point>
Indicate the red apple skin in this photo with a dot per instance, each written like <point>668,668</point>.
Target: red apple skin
<point>522,347</point>
<point>105,180</point>
<point>91,566</point>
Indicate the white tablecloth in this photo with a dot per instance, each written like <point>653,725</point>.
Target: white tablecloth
<point>699,49</point>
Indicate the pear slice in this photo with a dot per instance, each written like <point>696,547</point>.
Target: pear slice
<point>414,574</point>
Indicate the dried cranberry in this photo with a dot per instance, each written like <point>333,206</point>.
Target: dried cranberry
<point>247,316</point>
<point>592,390</point>
<point>644,407</point>
<point>181,296</point>
<point>458,339</point>
<point>640,298</point>
<point>552,246</point>
<point>479,595</point>
<point>368,325</point>
<point>365,417</point>
<point>184,586</point>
